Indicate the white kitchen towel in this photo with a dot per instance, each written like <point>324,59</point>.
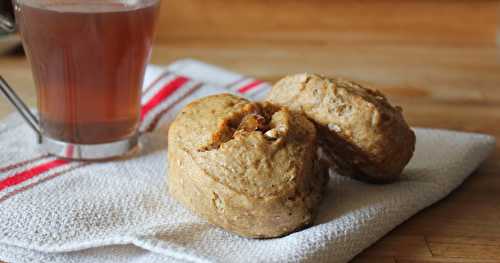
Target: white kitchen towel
<point>59,211</point>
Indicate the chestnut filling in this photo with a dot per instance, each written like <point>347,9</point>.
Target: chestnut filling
<point>253,117</point>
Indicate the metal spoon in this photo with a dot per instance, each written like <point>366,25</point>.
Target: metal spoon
<point>6,24</point>
<point>25,112</point>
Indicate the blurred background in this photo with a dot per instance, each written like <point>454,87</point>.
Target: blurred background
<point>343,33</point>
<point>323,22</point>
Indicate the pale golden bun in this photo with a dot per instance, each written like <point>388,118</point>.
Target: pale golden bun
<point>250,168</point>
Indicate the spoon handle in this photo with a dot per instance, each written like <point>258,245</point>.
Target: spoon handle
<point>25,112</point>
<point>6,24</point>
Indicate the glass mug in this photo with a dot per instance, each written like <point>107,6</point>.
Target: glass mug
<point>88,59</point>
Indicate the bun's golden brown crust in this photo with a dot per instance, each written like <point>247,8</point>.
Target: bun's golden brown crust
<point>364,135</point>
<point>250,168</point>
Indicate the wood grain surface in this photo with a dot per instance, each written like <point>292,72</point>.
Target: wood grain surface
<point>437,59</point>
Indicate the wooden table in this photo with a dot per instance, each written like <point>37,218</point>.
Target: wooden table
<point>443,79</point>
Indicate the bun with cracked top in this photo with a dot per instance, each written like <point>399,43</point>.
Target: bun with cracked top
<point>359,130</point>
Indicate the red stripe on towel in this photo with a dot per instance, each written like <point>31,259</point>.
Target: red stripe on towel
<point>249,86</point>
<point>23,163</point>
<point>163,94</point>
<point>157,79</point>
<point>28,174</point>
<point>158,116</point>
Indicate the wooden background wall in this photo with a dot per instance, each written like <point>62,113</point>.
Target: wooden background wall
<point>322,22</point>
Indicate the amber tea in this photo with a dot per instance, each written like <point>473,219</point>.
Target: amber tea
<point>88,60</point>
